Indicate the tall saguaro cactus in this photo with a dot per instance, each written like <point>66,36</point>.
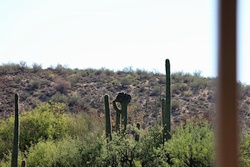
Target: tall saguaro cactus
<point>166,105</point>
<point>107,115</point>
<point>124,100</point>
<point>14,160</point>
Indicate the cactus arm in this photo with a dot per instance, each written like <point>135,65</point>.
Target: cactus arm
<point>116,108</point>
<point>118,116</point>
<point>124,115</point>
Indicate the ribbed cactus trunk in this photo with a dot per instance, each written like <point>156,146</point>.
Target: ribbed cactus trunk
<point>118,117</point>
<point>124,115</point>
<point>108,121</point>
<point>124,100</point>
<point>163,116</point>
<point>166,105</point>
<point>14,160</point>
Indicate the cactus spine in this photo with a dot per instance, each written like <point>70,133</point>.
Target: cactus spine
<point>107,115</point>
<point>166,105</point>
<point>14,160</point>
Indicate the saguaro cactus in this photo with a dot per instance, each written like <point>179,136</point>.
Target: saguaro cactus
<point>107,115</point>
<point>124,100</point>
<point>14,160</point>
<point>166,105</point>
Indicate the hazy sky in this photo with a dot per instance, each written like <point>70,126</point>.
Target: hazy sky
<point>115,34</point>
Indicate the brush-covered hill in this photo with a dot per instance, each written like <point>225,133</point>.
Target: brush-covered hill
<point>83,91</point>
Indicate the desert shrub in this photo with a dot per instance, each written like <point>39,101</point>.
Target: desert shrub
<point>23,66</point>
<point>6,160</point>
<point>179,87</point>
<point>59,97</point>
<point>198,83</point>
<point>35,84</point>
<point>177,77</point>
<point>156,91</point>
<point>176,104</point>
<point>6,135</point>
<point>36,68</point>
<point>150,149</point>
<point>9,68</point>
<point>244,90</point>
<point>245,150</point>
<point>74,99</point>
<point>64,153</point>
<point>44,153</point>
<point>62,85</point>
<point>68,154</point>
<point>143,74</point>
<point>191,145</point>
<point>124,150</point>
<point>125,81</point>
<point>108,72</point>
<point>63,69</point>
<point>247,90</point>
<point>83,125</point>
<point>119,151</point>
<point>47,121</point>
<point>46,129</point>
<point>76,78</point>
<point>188,93</point>
<point>89,151</point>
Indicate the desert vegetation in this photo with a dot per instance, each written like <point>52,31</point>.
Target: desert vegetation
<point>62,117</point>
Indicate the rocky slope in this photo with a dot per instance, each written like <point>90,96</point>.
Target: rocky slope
<point>83,91</point>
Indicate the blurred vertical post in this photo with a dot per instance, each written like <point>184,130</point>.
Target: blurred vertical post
<point>227,153</point>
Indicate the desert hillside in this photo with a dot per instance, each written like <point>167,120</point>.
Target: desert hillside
<point>83,90</point>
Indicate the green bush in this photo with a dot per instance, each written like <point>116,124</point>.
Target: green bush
<point>44,153</point>
<point>245,150</point>
<point>51,137</point>
<point>48,121</point>
<point>64,153</point>
<point>69,152</point>
<point>6,160</point>
<point>6,135</point>
<point>150,149</point>
<point>120,151</point>
<point>191,145</point>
